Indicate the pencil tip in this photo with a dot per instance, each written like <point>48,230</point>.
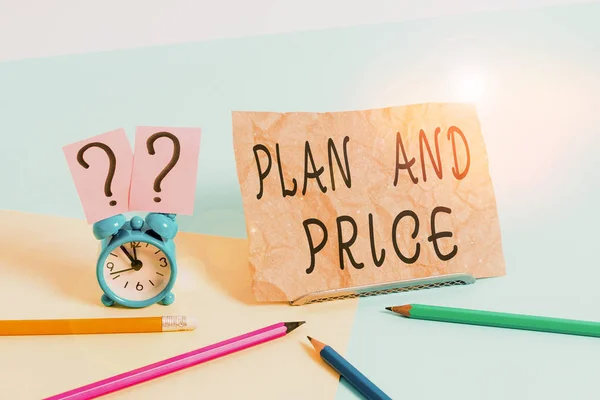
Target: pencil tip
<point>316,344</point>
<point>290,326</point>
<point>402,310</point>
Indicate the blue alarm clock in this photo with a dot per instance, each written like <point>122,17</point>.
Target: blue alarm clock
<point>136,266</point>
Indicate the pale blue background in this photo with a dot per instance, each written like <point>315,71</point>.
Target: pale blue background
<point>540,119</point>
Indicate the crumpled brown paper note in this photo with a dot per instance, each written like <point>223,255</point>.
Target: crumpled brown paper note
<point>375,182</point>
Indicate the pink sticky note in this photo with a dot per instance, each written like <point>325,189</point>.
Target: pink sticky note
<point>101,168</point>
<point>165,165</point>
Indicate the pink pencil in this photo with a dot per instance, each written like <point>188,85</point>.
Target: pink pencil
<point>179,362</point>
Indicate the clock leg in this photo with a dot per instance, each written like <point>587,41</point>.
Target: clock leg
<point>168,299</point>
<point>107,301</point>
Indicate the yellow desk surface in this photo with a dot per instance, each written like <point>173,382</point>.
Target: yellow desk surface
<point>47,267</point>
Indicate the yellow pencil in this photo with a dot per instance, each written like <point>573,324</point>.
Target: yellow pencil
<point>168,323</point>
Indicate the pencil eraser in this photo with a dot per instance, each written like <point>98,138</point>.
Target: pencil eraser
<point>191,323</point>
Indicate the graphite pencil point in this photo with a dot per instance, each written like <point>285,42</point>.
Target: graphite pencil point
<point>290,326</point>
<point>403,310</point>
<point>316,344</point>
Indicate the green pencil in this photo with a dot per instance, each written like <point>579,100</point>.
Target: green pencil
<point>498,319</point>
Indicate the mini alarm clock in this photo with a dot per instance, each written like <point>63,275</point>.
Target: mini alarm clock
<point>136,265</point>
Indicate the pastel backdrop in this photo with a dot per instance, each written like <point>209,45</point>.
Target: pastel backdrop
<point>533,75</point>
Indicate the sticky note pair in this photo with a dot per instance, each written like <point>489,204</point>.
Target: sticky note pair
<point>159,176</point>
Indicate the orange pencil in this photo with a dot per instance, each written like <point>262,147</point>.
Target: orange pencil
<point>167,323</point>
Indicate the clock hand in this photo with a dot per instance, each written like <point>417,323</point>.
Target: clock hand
<point>134,253</point>
<point>123,270</point>
<point>127,254</point>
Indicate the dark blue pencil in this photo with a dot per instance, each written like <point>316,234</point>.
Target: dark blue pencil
<point>348,372</point>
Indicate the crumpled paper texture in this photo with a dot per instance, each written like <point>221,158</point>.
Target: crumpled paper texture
<point>279,252</point>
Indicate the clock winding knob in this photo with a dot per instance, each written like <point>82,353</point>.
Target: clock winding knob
<point>136,223</point>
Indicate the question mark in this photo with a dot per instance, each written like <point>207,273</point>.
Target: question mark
<point>111,169</point>
<point>171,164</point>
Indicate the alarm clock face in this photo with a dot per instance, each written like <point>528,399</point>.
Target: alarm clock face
<point>136,271</point>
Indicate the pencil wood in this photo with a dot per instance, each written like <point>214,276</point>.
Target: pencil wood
<point>402,310</point>
<point>316,344</point>
<point>498,319</point>
<point>96,325</point>
<point>348,371</point>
